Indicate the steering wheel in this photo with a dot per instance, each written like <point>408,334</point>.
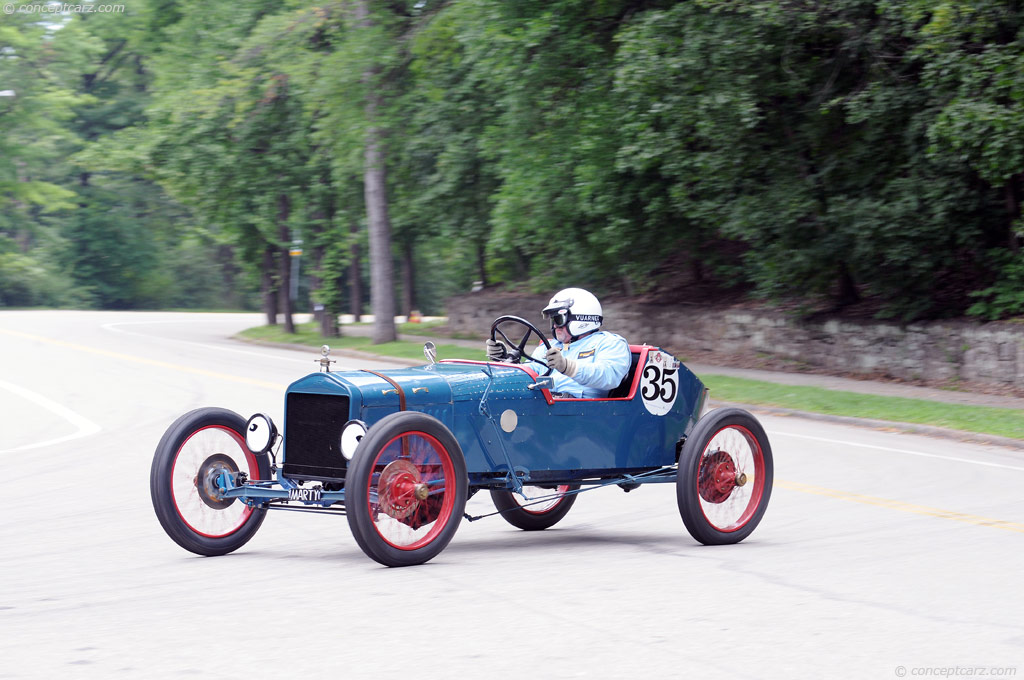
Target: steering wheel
<point>517,350</point>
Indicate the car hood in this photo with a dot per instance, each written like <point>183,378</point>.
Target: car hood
<point>442,383</point>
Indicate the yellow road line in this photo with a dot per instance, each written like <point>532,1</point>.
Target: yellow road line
<point>144,360</point>
<point>901,506</point>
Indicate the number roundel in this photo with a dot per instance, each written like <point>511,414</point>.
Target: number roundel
<point>659,383</point>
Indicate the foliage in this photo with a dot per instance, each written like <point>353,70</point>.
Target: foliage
<point>37,82</point>
<point>26,281</point>
<point>856,153</point>
<point>1005,297</point>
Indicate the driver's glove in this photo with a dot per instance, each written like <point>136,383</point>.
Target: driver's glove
<point>496,351</point>
<point>555,360</point>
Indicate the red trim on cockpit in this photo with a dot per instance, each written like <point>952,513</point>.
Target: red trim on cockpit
<point>642,350</point>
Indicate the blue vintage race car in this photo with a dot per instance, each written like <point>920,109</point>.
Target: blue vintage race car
<point>400,451</point>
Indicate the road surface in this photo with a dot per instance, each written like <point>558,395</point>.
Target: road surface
<point>881,555</point>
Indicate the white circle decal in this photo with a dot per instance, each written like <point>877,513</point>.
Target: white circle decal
<point>659,383</point>
<point>509,420</point>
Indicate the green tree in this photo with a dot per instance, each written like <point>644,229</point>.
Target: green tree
<point>974,56</point>
<point>37,98</point>
<point>768,120</point>
<point>449,181</point>
<point>228,134</point>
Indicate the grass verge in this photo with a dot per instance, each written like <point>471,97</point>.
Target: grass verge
<point>408,328</point>
<point>1003,422</point>
<point>308,334</point>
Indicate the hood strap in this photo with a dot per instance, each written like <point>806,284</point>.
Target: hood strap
<point>398,388</point>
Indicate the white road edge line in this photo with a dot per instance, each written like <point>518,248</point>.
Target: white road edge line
<point>85,426</point>
<point>894,450</point>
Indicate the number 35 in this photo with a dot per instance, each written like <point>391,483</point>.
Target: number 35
<point>658,384</point>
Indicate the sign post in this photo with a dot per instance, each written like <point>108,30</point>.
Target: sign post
<point>296,254</point>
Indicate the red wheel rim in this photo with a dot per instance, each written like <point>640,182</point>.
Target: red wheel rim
<point>730,478</point>
<point>411,491</point>
<point>212,520</point>
<point>542,507</point>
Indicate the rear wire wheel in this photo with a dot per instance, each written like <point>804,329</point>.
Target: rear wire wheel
<point>725,477</point>
<point>521,513</point>
<point>406,489</point>
<point>196,449</point>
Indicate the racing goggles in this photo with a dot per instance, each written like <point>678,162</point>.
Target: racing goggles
<point>559,317</point>
<point>558,312</point>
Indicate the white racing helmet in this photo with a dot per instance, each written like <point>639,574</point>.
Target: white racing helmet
<point>575,308</point>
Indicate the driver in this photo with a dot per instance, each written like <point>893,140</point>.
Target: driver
<point>586,361</point>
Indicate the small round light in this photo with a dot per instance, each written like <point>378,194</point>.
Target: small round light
<point>351,435</point>
<point>260,433</point>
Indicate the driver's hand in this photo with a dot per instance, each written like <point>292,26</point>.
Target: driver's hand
<point>496,351</point>
<point>555,360</point>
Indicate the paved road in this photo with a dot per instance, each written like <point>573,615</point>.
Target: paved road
<point>879,550</point>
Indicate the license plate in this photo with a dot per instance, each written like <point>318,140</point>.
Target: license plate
<point>314,495</point>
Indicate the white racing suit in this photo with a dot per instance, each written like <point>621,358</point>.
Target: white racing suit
<point>602,361</point>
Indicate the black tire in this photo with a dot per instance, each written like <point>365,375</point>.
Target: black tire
<point>405,455</point>
<point>187,459</point>
<point>725,477</point>
<point>534,517</point>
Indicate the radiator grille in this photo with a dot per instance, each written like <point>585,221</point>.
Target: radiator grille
<point>312,436</point>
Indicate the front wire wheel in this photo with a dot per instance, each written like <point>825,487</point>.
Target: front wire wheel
<point>195,451</point>
<point>528,516</point>
<point>406,489</point>
<point>725,477</point>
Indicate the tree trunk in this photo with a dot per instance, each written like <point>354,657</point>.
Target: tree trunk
<point>408,279</point>
<point>355,278</point>
<point>848,293</point>
<point>225,258</point>
<point>481,262</point>
<point>382,282</point>
<point>1013,211</point>
<point>329,324</point>
<point>332,285</point>
<point>627,286</point>
<point>521,262</point>
<point>285,262</point>
<point>327,320</point>
<point>267,290</point>
<point>697,269</point>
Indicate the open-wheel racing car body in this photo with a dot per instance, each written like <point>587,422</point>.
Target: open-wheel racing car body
<point>400,451</point>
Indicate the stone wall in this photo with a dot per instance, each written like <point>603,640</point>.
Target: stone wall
<point>934,351</point>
